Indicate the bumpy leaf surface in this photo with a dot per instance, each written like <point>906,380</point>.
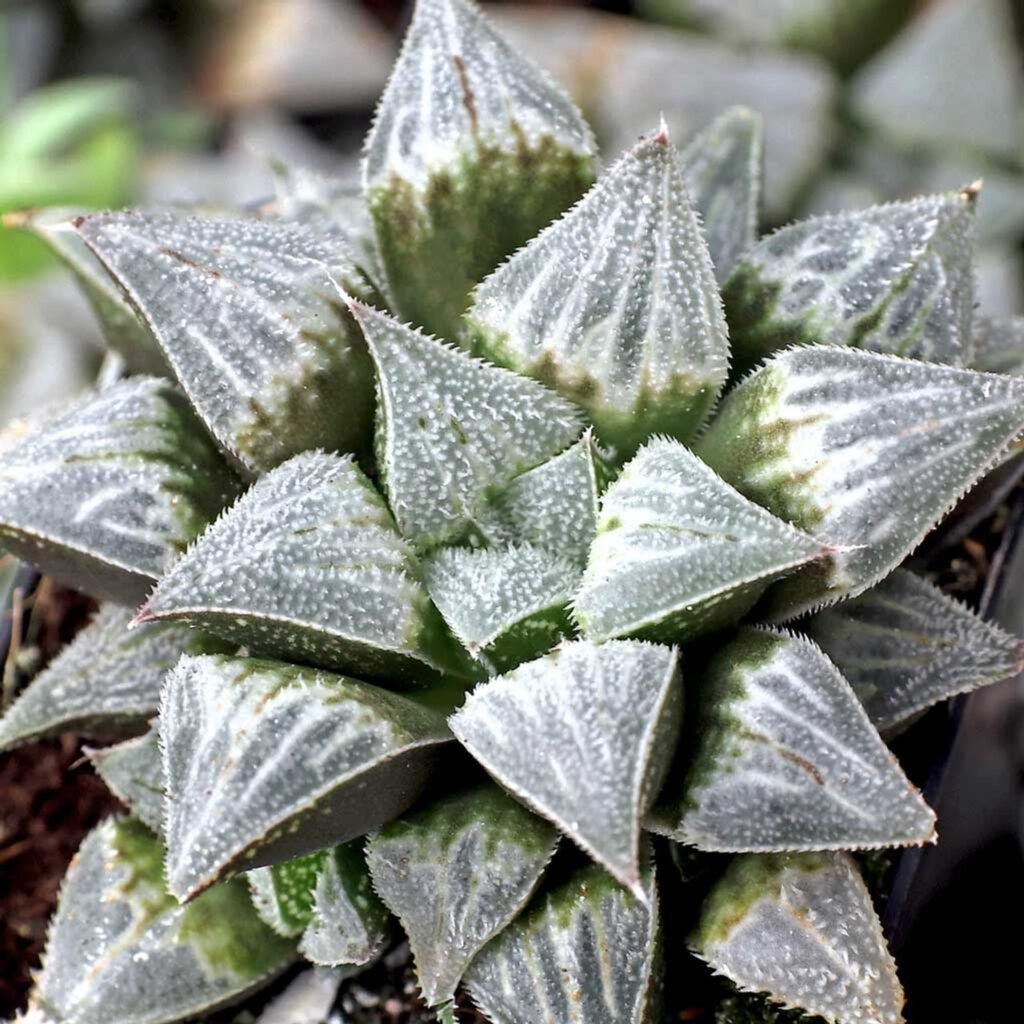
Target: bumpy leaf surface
<point>451,429</point>
<point>249,321</point>
<point>106,495</point>
<point>802,929</point>
<point>308,566</point>
<point>455,874</point>
<point>282,893</point>
<point>859,449</point>
<point>472,152</point>
<point>783,757</point>
<point>133,772</point>
<point>679,552</point>
<point>121,949</point>
<point>894,278</point>
<point>105,683</point>
<point>583,736</point>
<point>584,953</point>
<point>903,645</point>
<point>722,166</point>
<point>506,605</point>
<point>999,345</point>
<point>616,305</point>
<point>264,761</point>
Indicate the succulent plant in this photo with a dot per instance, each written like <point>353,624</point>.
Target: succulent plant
<point>466,630</point>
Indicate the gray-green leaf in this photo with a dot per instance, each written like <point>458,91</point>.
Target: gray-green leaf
<point>584,736</point>
<point>999,345</point>
<point>616,305</point>
<point>801,928</point>
<point>455,874</point>
<point>784,757</point>
<point>106,495</point>
<point>264,761</point>
<point>679,552</point>
<point>133,772</point>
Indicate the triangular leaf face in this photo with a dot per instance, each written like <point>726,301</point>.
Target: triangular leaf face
<point>104,684</point>
<point>134,477</point>
<point>894,278</point>
<point>133,772</point>
<point>584,953</point>
<point>783,757</point>
<point>455,875</point>
<point>679,552</point>
<point>865,451</point>
<point>999,345</point>
<point>264,761</point>
<point>121,949</point>
<point>616,305</point>
<point>722,166</point>
<point>451,429</point>
<point>472,152</point>
<point>308,566</point>
<point>249,321</point>
<point>537,730</point>
<point>801,928</point>
<point>506,605</point>
<point>903,645</point>
<point>283,893</point>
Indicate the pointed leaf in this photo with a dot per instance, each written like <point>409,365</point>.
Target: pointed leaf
<point>265,761</point>
<point>308,566</point>
<point>723,170</point>
<point>616,305</point>
<point>783,757</point>
<point>104,684</point>
<point>282,893</point>
<point>134,773</point>
<point>862,450</point>
<point>586,952</point>
<point>895,278</point>
<point>584,737</point>
<point>999,345</point>
<point>506,605</point>
<point>678,552</point>
<point>121,949</point>
<point>105,495</point>
<point>451,429</point>
<point>249,321</point>
<point>903,645</point>
<point>472,152</point>
<point>802,929</point>
<point>455,875</point>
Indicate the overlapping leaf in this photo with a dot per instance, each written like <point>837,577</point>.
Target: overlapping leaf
<point>108,493</point>
<point>679,552</point>
<point>583,736</point>
<point>999,345</point>
<point>903,645</point>
<point>133,772</point>
<point>801,928</point>
<point>616,305</point>
<point>249,321</point>
<point>473,150</point>
<point>865,451</point>
<point>455,874</point>
<point>783,757</point>
<point>264,761</point>
<point>282,893</point>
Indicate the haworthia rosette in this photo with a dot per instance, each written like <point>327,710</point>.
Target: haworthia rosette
<point>904,645</point>
<point>120,948</point>
<point>865,451</point>
<point>264,761</point>
<point>249,321</point>
<point>616,305</point>
<point>585,952</point>
<point>133,772</point>
<point>452,430</point>
<point>999,345</point>
<point>473,150</point>
<point>583,736</point>
<point>783,757</point>
<point>455,874</point>
<point>896,278</point>
<point>679,552</point>
<point>801,928</point>
<point>107,494</point>
<point>308,566</point>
